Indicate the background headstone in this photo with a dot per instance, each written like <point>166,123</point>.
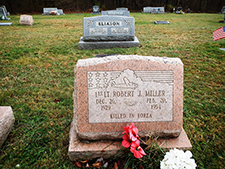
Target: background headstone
<point>158,10</point>
<point>60,12</point>
<point>48,11</point>
<point>223,10</point>
<point>123,9</point>
<point>116,13</point>
<point>95,9</point>
<point>3,13</point>
<point>188,10</point>
<point>6,122</point>
<point>108,32</point>
<point>26,20</point>
<point>113,91</point>
<point>147,9</point>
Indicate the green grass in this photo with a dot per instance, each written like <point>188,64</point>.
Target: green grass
<point>36,80</point>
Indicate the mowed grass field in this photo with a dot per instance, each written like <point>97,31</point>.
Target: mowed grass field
<point>37,77</point>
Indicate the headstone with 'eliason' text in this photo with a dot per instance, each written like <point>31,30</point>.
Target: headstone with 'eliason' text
<point>114,91</point>
<point>108,32</point>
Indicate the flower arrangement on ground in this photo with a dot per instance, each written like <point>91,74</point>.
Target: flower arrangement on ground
<point>178,159</point>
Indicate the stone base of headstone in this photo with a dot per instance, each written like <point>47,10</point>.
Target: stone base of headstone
<point>162,22</point>
<point>95,13</point>
<point>81,150</point>
<point>6,24</point>
<point>107,44</point>
<point>6,122</point>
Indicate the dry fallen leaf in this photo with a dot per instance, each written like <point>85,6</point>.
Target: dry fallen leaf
<point>97,165</point>
<point>115,166</point>
<point>141,167</point>
<point>78,164</point>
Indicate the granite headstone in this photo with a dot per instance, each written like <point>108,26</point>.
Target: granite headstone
<point>108,32</point>
<point>113,91</point>
<point>26,20</point>
<point>6,122</point>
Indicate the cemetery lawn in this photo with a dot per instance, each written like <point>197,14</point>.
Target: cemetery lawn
<point>37,78</point>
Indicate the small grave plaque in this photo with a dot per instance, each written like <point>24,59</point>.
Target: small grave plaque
<point>116,13</point>
<point>161,22</point>
<point>113,91</point>
<point>108,28</point>
<point>26,20</point>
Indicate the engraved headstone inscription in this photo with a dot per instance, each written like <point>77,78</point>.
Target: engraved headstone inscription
<point>108,32</point>
<point>116,13</point>
<point>113,91</point>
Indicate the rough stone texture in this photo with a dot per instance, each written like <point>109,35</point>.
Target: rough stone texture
<point>93,131</point>
<point>108,28</point>
<point>26,20</point>
<point>6,122</point>
<point>89,150</point>
<point>108,44</point>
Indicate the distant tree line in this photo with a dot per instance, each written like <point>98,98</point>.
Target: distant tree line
<point>36,6</point>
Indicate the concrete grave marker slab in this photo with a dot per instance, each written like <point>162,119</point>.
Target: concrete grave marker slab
<point>116,13</point>
<point>26,20</point>
<point>6,122</point>
<point>162,22</point>
<point>113,91</point>
<point>6,24</point>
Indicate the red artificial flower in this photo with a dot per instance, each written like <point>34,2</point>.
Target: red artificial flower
<point>132,131</point>
<point>136,149</point>
<point>126,141</point>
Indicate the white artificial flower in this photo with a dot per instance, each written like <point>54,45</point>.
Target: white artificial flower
<point>178,159</point>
